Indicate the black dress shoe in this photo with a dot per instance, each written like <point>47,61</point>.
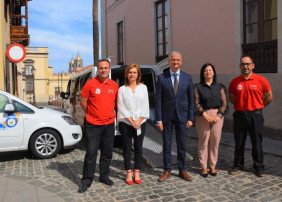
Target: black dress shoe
<point>107,181</point>
<point>83,188</point>
<point>260,172</point>
<point>235,170</point>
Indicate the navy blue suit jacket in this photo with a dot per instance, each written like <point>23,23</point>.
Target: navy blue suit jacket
<point>167,102</point>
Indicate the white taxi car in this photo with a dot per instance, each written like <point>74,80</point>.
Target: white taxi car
<point>42,131</point>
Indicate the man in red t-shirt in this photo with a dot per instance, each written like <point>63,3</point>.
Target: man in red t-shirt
<point>249,93</point>
<point>98,98</point>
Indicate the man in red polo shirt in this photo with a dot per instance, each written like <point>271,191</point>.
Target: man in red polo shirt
<point>249,93</point>
<point>98,99</point>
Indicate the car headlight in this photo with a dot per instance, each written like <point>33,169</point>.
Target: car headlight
<point>70,120</point>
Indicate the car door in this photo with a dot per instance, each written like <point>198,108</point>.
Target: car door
<point>11,127</point>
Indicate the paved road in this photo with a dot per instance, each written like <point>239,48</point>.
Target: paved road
<point>60,177</point>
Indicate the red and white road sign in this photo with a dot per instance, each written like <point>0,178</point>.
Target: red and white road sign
<point>16,52</point>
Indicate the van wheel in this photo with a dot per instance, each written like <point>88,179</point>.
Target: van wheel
<point>45,144</point>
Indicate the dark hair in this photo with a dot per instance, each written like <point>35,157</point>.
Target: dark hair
<point>129,67</point>
<point>104,60</point>
<point>202,77</point>
<point>247,57</point>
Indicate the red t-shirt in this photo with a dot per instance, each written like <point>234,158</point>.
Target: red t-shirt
<point>101,101</point>
<point>249,92</point>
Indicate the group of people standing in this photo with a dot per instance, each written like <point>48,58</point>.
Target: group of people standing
<point>179,104</point>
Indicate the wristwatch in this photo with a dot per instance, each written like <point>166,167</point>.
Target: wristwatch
<point>219,115</point>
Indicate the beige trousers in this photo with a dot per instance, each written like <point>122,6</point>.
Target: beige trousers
<point>209,135</point>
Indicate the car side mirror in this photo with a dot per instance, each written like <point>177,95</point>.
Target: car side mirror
<point>63,95</point>
<point>9,108</point>
<point>67,96</point>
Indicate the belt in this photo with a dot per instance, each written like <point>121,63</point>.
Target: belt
<point>258,111</point>
<point>211,108</point>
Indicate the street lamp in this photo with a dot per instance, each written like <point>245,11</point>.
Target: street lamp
<point>33,70</point>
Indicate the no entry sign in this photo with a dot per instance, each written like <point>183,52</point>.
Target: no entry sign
<point>16,52</point>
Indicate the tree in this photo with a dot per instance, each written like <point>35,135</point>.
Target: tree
<point>95,32</point>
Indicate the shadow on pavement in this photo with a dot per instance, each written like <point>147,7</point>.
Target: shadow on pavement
<point>15,155</point>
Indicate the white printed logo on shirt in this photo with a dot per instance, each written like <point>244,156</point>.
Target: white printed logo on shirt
<point>239,87</point>
<point>98,91</point>
<point>110,91</point>
<point>253,86</point>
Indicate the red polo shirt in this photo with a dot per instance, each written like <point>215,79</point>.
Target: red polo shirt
<point>249,92</point>
<point>101,101</point>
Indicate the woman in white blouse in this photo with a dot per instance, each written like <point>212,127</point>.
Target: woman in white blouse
<point>133,111</point>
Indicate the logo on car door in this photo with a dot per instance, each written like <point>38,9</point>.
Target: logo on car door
<point>10,122</point>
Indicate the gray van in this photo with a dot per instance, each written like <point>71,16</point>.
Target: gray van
<point>76,83</point>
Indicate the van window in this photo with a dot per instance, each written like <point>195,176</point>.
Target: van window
<point>77,90</point>
<point>84,79</point>
<point>68,87</point>
<point>148,78</point>
<point>117,75</point>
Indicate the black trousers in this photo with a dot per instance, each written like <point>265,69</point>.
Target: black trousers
<point>127,133</point>
<point>248,122</point>
<point>98,136</point>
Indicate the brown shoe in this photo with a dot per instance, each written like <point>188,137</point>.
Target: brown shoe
<point>184,175</point>
<point>164,176</point>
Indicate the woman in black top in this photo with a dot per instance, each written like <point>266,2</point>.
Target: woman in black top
<point>211,105</point>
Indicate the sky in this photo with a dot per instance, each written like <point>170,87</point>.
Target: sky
<point>65,27</point>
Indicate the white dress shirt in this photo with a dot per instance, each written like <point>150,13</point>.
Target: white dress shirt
<point>134,105</point>
<point>172,76</point>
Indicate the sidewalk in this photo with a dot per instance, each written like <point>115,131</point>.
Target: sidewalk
<point>66,168</point>
<point>12,190</point>
<point>270,146</point>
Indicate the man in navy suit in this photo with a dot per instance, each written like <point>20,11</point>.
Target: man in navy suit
<point>174,107</point>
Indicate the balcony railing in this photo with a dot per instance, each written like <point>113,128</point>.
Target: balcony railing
<point>264,55</point>
<point>19,30</point>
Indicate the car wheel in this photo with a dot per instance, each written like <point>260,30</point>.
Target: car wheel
<point>45,144</point>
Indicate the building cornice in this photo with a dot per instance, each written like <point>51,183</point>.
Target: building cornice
<point>114,5</point>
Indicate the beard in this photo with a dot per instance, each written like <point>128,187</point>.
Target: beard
<point>246,71</point>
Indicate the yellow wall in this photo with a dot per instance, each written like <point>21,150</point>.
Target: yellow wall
<point>4,39</point>
<point>45,79</point>
<point>40,57</point>
<point>58,80</point>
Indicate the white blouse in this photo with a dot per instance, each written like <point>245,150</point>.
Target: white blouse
<point>133,105</point>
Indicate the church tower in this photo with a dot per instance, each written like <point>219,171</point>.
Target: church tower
<point>71,65</point>
<point>78,61</point>
<point>75,63</point>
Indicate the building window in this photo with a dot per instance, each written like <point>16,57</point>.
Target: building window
<point>161,30</point>
<point>6,10</point>
<point>260,34</point>
<point>27,71</point>
<point>120,43</point>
